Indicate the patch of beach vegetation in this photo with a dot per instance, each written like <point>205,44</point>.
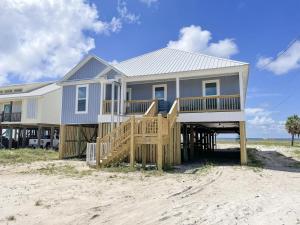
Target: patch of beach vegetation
<point>26,155</point>
<point>64,170</point>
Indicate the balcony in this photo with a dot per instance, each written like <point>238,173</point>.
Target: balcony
<point>131,107</point>
<point>10,117</point>
<point>223,103</point>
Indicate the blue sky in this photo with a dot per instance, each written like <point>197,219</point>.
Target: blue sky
<point>48,39</point>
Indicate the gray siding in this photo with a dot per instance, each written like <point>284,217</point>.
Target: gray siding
<point>89,70</point>
<point>229,85</point>
<point>69,102</point>
<point>145,91</point>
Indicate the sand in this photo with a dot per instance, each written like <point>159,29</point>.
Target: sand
<point>220,194</point>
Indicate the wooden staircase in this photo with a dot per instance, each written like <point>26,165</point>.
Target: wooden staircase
<point>149,129</point>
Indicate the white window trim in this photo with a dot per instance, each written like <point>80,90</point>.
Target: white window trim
<point>130,94</point>
<point>160,85</point>
<point>210,81</point>
<point>86,101</point>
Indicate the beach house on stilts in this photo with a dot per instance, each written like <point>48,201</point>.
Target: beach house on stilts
<point>163,107</point>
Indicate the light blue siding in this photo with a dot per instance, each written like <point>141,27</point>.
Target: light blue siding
<point>145,91</point>
<point>69,103</point>
<point>229,85</point>
<point>89,70</point>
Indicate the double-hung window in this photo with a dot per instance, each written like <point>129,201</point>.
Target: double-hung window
<point>82,98</point>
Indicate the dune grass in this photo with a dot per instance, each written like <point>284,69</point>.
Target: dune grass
<point>26,155</point>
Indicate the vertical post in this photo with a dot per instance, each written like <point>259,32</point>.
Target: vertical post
<point>123,96</point>
<point>178,143</point>
<point>172,139</point>
<point>51,137</point>
<point>159,143</point>
<point>192,143</point>
<point>241,90</point>
<point>62,141</point>
<point>132,146</point>
<point>98,152</point>
<point>178,91</point>
<point>101,98</point>
<point>243,143</point>
<point>39,136</point>
<point>10,138</point>
<point>144,155</point>
<point>118,105</point>
<point>185,143</point>
<point>112,105</point>
<point>78,139</point>
<point>24,137</point>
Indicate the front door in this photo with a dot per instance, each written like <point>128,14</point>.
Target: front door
<point>160,93</point>
<point>211,89</point>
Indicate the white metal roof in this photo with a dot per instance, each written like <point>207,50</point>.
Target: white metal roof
<point>37,92</point>
<point>167,60</point>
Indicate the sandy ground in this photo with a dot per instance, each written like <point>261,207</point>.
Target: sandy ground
<point>219,194</point>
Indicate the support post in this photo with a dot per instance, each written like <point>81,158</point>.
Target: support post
<point>144,155</point>
<point>185,143</point>
<point>51,137</point>
<point>101,98</point>
<point>118,104</point>
<point>78,139</point>
<point>112,109</point>
<point>192,143</point>
<point>39,136</point>
<point>24,137</point>
<point>98,152</point>
<point>243,148</point>
<point>62,141</point>
<point>178,92</point>
<point>10,138</point>
<point>132,146</point>
<point>159,143</point>
<point>178,143</point>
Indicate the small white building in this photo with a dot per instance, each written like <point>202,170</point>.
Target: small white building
<point>29,111</point>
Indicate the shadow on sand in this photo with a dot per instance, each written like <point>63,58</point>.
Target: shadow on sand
<point>271,160</point>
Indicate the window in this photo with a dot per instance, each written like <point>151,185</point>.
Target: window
<point>160,92</point>
<point>211,88</point>
<point>81,99</point>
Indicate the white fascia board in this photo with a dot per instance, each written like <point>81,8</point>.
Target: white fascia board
<point>225,71</point>
<point>79,82</point>
<point>211,117</point>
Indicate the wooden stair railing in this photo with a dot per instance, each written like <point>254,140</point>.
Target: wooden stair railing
<point>114,145</point>
<point>153,108</point>
<point>149,129</point>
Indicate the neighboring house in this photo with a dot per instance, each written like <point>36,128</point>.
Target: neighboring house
<point>29,111</point>
<point>196,96</point>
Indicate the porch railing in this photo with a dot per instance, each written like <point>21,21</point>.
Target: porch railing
<point>210,103</point>
<point>137,106</point>
<point>107,106</point>
<point>10,117</point>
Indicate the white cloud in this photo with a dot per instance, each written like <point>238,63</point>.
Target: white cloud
<point>148,2</point>
<point>284,62</point>
<point>195,39</point>
<point>125,14</point>
<point>114,62</point>
<point>44,39</point>
<point>260,120</point>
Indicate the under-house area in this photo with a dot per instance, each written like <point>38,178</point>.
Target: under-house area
<point>199,142</point>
